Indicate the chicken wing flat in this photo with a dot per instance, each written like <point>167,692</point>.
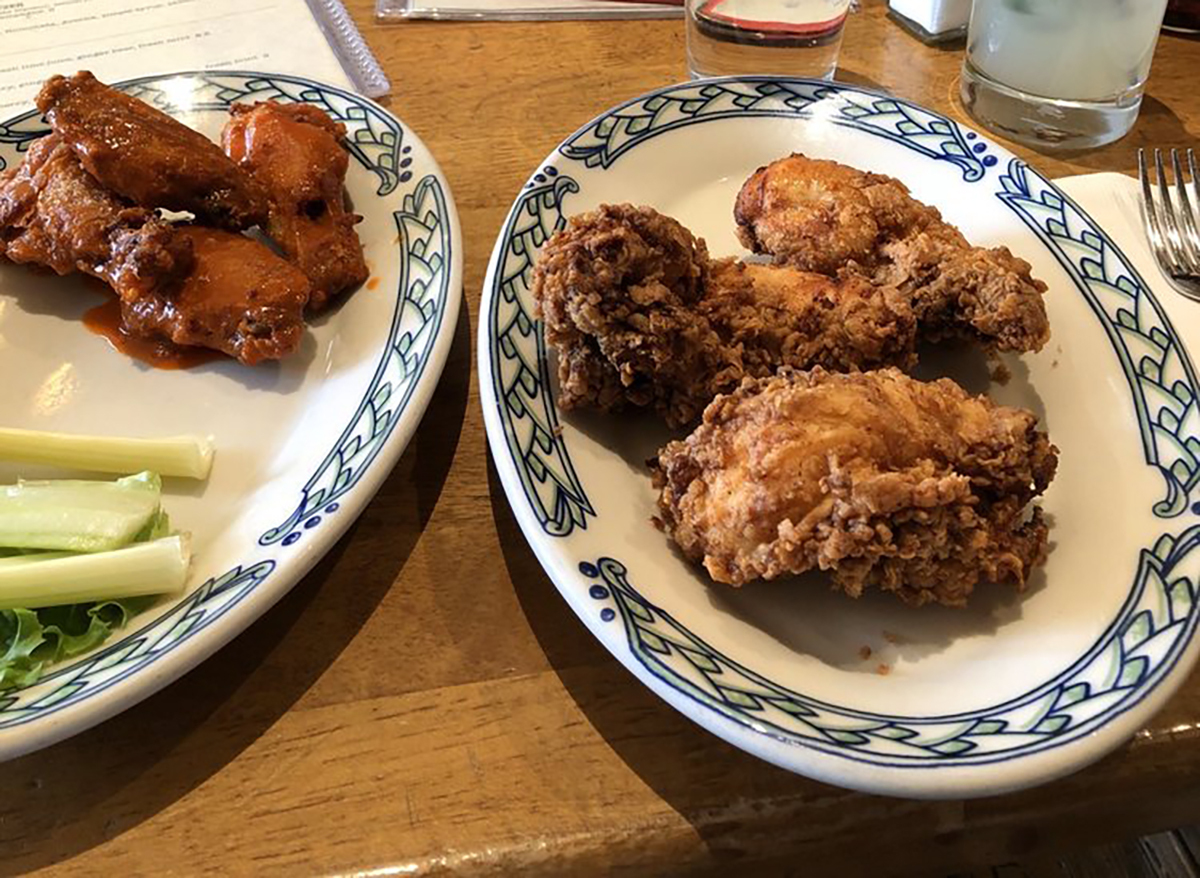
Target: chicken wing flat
<point>240,298</point>
<point>146,156</point>
<point>187,285</point>
<point>640,315</point>
<point>294,151</point>
<point>823,216</point>
<point>54,214</point>
<point>918,488</point>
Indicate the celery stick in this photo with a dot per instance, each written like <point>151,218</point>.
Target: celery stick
<point>79,516</point>
<point>158,567</point>
<point>9,561</point>
<point>187,456</point>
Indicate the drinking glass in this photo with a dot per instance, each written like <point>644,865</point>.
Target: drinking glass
<point>785,37</point>
<point>1059,73</point>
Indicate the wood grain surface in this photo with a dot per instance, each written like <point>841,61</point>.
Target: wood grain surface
<point>425,703</point>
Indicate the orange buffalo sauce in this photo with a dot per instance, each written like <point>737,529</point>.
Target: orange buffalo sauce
<point>105,320</point>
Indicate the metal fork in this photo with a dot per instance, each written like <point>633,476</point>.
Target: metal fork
<point>1173,233</point>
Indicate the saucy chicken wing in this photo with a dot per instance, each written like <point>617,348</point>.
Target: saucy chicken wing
<point>240,298</point>
<point>185,284</point>
<point>823,216</point>
<point>294,151</point>
<point>54,214</point>
<point>146,156</point>
<point>918,488</point>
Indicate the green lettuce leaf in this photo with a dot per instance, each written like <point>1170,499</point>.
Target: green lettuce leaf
<point>31,640</point>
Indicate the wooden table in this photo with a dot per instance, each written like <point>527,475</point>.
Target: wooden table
<point>425,702</point>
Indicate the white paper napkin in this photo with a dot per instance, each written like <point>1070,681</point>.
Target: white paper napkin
<point>1112,201</point>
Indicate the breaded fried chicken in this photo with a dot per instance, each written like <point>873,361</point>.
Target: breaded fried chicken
<point>640,315</point>
<point>823,216</point>
<point>918,488</point>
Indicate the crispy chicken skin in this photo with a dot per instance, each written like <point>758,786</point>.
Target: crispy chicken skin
<point>184,284</point>
<point>823,216</point>
<point>146,156</point>
<point>918,488</point>
<point>54,214</point>
<point>294,151</point>
<point>639,315</point>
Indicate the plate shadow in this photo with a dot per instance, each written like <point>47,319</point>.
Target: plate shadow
<point>93,787</point>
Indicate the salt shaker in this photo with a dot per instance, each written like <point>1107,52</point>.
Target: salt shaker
<point>932,21</point>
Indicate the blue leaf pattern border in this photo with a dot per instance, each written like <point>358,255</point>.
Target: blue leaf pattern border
<point>90,676</point>
<point>1152,629</point>
<point>520,365</point>
<point>424,231</point>
<point>425,248</point>
<point>602,141</point>
<point>1161,376</point>
<point>1160,615</point>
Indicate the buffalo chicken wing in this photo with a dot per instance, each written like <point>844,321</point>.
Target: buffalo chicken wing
<point>294,151</point>
<point>184,284</point>
<point>146,156</point>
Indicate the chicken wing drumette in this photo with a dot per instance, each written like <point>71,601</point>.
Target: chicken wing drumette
<point>295,152</point>
<point>881,479</point>
<point>640,315</point>
<point>823,216</point>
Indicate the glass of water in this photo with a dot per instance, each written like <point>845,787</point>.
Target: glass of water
<point>783,37</point>
<point>1059,73</point>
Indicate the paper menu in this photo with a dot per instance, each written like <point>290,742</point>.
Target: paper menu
<point>525,10</point>
<point>116,39</point>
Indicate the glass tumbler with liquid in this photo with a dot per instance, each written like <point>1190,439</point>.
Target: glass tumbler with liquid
<point>1059,73</point>
<point>782,37</point>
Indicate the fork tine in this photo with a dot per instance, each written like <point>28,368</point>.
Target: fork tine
<point>1171,229</point>
<point>1150,215</point>
<point>1189,249</point>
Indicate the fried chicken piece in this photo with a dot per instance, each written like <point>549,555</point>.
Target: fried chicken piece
<point>881,479</point>
<point>187,285</point>
<point>295,153</point>
<point>776,315</point>
<point>640,315</point>
<point>824,216</point>
<point>146,156</point>
<point>54,214</point>
<point>241,299</point>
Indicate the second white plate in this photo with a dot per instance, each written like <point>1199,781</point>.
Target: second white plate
<point>1012,691</point>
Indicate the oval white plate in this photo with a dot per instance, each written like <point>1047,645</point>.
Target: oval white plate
<point>301,445</point>
<point>1007,693</point>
